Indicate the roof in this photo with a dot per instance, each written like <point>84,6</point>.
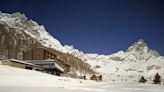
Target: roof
<point>19,61</point>
<point>48,61</point>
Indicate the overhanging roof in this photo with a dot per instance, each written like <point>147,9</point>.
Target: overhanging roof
<point>47,64</point>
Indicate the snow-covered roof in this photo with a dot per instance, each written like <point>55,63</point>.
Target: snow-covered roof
<point>19,61</point>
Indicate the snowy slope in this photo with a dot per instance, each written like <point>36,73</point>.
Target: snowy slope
<point>138,60</point>
<point>21,80</point>
<point>129,65</point>
<point>11,76</point>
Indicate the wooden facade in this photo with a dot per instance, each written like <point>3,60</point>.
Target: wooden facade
<point>44,54</point>
<point>11,54</point>
<point>38,54</point>
<point>3,54</point>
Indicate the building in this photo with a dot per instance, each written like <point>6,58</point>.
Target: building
<point>22,64</point>
<point>40,53</point>
<point>3,54</point>
<point>67,67</point>
<point>44,54</point>
<point>50,66</point>
<point>40,56</point>
<point>11,54</point>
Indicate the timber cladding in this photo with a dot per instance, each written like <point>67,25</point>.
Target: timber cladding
<point>42,53</point>
<point>66,60</point>
<point>10,54</point>
<point>38,54</point>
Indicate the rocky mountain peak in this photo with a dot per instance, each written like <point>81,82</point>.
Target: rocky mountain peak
<point>142,49</point>
<point>140,45</point>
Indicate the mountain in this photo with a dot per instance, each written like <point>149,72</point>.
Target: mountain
<point>18,33</point>
<point>21,23</point>
<point>138,60</point>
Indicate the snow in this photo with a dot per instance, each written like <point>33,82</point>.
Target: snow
<point>139,60</point>
<point>106,87</point>
<point>121,71</point>
<point>19,61</point>
<point>130,71</point>
<point>20,80</point>
<point>11,76</point>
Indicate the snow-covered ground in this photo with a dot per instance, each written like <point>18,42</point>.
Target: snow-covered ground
<point>21,80</point>
<point>11,76</point>
<point>107,87</point>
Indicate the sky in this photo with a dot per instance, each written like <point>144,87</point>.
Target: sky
<point>96,26</point>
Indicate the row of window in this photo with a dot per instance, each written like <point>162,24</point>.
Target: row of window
<point>50,56</point>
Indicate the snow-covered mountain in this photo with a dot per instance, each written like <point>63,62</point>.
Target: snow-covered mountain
<point>131,64</point>
<point>21,23</point>
<point>138,51</point>
<point>138,60</point>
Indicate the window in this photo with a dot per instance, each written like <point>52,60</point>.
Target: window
<point>27,67</point>
<point>3,54</point>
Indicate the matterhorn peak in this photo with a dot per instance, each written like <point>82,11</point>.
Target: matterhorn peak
<point>139,46</point>
<point>140,41</point>
<point>142,48</point>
